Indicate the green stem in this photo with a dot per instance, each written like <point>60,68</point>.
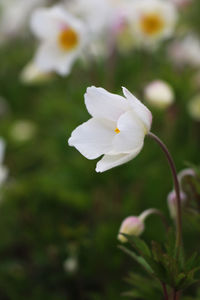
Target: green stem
<point>177,190</point>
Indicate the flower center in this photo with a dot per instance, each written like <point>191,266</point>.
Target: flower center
<point>152,24</point>
<point>68,39</point>
<point>117,130</point>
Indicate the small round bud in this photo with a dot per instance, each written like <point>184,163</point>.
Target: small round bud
<point>159,94</point>
<point>171,200</point>
<point>131,226</point>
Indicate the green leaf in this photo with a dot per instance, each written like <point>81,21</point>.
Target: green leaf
<point>139,244</point>
<point>140,260</point>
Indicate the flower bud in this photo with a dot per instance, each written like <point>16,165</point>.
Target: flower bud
<point>171,199</point>
<point>159,94</point>
<point>71,264</point>
<point>134,225</point>
<point>131,226</point>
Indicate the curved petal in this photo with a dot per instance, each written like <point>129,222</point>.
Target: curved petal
<point>49,57</point>
<point>140,109</point>
<point>102,104</point>
<point>111,161</point>
<point>93,138</point>
<point>131,135</point>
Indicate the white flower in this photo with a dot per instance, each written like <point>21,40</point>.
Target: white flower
<point>134,225</point>
<point>186,51</point>
<point>159,94</point>
<point>31,74</point>
<point>62,39</point>
<point>97,14</point>
<point>3,169</point>
<point>117,128</point>
<point>14,16</point>
<point>194,108</point>
<point>152,20</point>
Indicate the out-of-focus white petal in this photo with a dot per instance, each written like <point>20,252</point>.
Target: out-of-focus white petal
<point>45,24</point>
<point>102,104</point>
<point>131,135</point>
<point>50,57</point>
<point>2,150</point>
<point>140,109</point>
<point>111,161</point>
<point>93,138</point>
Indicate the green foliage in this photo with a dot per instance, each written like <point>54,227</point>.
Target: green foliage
<point>164,263</point>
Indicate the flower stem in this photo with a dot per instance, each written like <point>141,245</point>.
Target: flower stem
<point>177,190</point>
<point>165,291</point>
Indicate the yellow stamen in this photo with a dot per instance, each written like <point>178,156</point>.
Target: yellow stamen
<point>117,130</point>
<point>68,39</point>
<point>152,24</point>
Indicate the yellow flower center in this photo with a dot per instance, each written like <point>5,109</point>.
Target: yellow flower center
<point>68,39</point>
<point>152,24</point>
<point>117,130</point>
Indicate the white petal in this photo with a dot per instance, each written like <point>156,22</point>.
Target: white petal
<point>102,104</point>
<point>93,138</point>
<point>111,161</point>
<point>131,135</point>
<point>2,150</point>
<point>44,23</point>
<point>140,109</point>
<point>50,57</point>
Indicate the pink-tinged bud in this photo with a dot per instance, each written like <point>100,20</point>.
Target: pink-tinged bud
<point>131,226</point>
<point>134,225</point>
<point>171,200</point>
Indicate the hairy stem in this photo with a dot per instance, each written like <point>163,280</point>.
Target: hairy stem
<point>177,190</point>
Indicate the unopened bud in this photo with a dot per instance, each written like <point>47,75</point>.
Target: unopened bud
<point>159,94</point>
<point>172,202</point>
<point>134,225</point>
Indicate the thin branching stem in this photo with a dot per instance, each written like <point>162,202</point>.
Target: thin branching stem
<point>177,190</point>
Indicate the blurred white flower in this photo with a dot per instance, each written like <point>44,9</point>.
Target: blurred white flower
<point>23,130</point>
<point>194,107</point>
<point>117,128</point>
<point>152,20</point>
<point>134,225</point>
<point>71,264</point>
<point>97,14</point>
<point>31,74</point>
<point>62,39</point>
<point>3,169</point>
<point>159,94</point>
<point>186,51</point>
<point>14,16</point>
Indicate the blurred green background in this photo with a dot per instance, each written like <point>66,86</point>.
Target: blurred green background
<point>59,219</point>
